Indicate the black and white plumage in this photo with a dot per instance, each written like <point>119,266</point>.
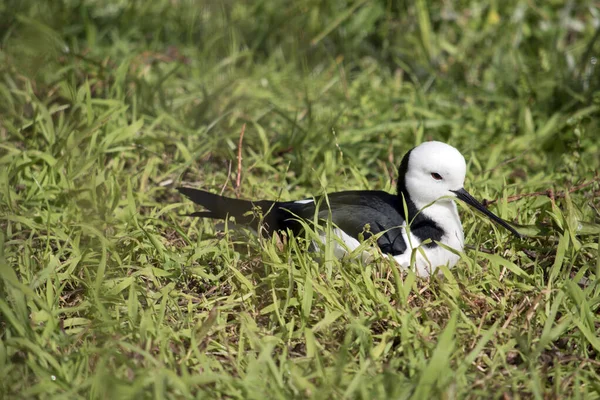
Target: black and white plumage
<point>430,176</point>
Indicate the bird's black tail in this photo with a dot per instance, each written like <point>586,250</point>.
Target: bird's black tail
<point>220,207</point>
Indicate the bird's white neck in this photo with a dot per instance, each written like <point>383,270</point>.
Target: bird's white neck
<point>444,213</point>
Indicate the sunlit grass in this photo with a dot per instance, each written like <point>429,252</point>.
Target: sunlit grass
<point>107,291</point>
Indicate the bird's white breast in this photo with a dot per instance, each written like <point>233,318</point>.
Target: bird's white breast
<point>444,213</point>
<point>425,262</point>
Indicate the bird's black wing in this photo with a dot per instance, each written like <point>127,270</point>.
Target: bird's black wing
<point>366,212</point>
<point>359,212</point>
<point>221,207</point>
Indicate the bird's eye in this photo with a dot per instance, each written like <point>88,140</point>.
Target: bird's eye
<point>436,176</point>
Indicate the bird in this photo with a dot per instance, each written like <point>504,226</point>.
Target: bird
<point>418,227</point>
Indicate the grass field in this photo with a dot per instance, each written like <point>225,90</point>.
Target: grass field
<point>108,291</point>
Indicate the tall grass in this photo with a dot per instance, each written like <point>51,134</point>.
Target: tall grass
<point>107,291</point>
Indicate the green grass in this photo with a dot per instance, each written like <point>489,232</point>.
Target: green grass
<point>106,291</point>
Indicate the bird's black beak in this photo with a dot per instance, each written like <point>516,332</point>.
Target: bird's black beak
<point>463,195</point>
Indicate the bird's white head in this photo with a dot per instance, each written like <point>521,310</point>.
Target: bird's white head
<point>433,171</point>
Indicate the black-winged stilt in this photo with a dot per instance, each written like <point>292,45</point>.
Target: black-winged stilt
<point>430,177</point>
